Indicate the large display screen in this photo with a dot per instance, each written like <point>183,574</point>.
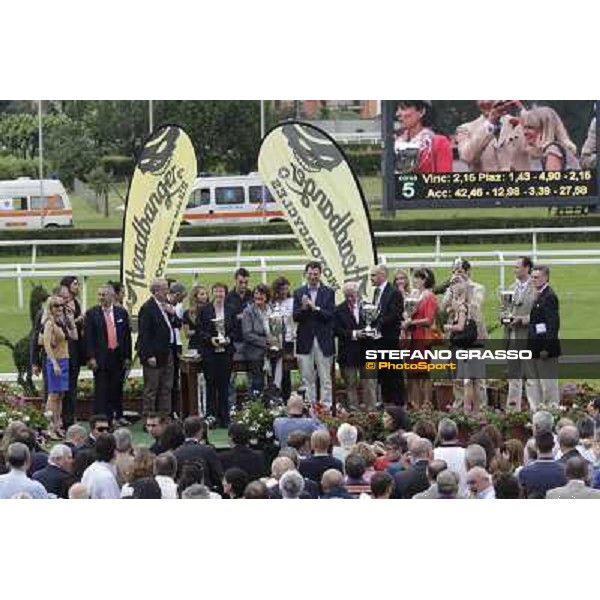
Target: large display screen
<point>494,152</point>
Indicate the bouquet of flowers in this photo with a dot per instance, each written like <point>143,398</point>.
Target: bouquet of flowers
<point>14,408</point>
<point>259,420</point>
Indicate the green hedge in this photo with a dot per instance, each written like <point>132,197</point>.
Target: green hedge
<point>121,167</point>
<point>12,167</point>
<point>363,162</point>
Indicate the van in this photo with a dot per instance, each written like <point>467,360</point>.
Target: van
<point>231,199</point>
<point>34,204</point>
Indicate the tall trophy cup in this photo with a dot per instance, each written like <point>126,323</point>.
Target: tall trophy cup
<point>221,339</point>
<point>507,298</point>
<point>369,312</point>
<point>410,303</point>
<point>276,318</point>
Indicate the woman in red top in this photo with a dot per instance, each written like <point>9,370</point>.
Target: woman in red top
<point>420,328</point>
<point>418,148</point>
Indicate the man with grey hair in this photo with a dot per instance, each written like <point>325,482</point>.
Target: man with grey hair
<point>156,345</point>
<point>56,475</point>
<point>291,485</point>
<point>543,341</point>
<point>196,491</point>
<point>447,485</point>
<point>124,460</point>
<point>16,481</point>
<point>108,351</point>
<point>76,438</point>
<point>348,324</point>
<point>414,479</point>
<point>578,480</point>
<point>568,439</point>
<point>480,484</point>
<point>390,306</point>
<point>450,451</point>
<point>475,456</point>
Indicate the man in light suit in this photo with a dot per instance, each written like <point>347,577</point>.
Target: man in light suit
<point>577,471</point>
<point>495,140</point>
<point>107,341</point>
<point>314,306</point>
<point>516,331</point>
<point>544,326</point>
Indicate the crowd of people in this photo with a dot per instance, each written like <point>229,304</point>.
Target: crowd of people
<point>272,330</point>
<point>560,461</point>
<point>505,137</point>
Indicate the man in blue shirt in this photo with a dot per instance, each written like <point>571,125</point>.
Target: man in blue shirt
<point>16,480</point>
<point>295,421</point>
<point>545,473</point>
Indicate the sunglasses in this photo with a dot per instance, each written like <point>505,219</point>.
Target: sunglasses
<point>102,429</point>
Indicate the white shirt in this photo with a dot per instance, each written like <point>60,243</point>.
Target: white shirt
<point>166,317</point>
<point>381,288</point>
<point>100,479</point>
<point>168,487</point>
<point>179,312</point>
<point>454,457</point>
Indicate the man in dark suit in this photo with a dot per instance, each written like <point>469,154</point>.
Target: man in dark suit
<point>108,353</point>
<point>348,323</point>
<point>155,345</point>
<point>544,325</point>
<point>414,480</point>
<point>241,455</point>
<point>195,448</point>
<point>314,306</point>
<point>388,323</point>
<point>313,467</point>
<point>57,473</point>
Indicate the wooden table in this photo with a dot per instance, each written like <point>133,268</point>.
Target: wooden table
<point>191,367</point>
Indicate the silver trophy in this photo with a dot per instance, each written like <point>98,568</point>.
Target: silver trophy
<point>407,156</point>
<point>507,299</point>
<point>410,303</point>
<point>221,339</point>
<point>276,319</point>
<point>369,312</point>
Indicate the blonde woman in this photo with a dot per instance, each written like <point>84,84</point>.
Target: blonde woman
<point>58,330</point>
<point>402,282</point>
<point>548,140</point>
<point>198,298</point>
<point>462,322</point>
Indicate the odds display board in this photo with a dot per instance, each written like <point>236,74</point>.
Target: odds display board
<point>499,153</point>
<point>157,197</point>
<point>311,179</point>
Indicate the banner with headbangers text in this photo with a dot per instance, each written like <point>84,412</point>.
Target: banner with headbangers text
<point>157,197</point>
<point>309,176</point>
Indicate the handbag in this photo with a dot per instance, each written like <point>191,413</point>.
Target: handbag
<point>467,337</point>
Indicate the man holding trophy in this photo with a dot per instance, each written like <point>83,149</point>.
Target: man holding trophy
<point>515,306</point>
<point>353,322</point>
<point>216,322</point>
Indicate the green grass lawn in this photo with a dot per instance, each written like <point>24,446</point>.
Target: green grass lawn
<point>577,288</point>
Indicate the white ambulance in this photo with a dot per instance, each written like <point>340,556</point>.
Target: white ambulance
<point>231,199</point>
<point>34,204</point>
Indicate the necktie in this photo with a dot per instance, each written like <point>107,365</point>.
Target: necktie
<point>110,329</point>
<point>376,295</point>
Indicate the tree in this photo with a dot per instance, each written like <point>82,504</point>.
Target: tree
<point>99,180</point>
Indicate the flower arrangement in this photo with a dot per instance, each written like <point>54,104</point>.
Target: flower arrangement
<point>369,423</point>
<point>13,407</point>
<point>259,420</point>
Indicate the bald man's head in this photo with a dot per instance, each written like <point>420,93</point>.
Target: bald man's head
<point>330,479</point>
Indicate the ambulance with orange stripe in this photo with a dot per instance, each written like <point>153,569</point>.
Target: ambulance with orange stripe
<point>34,204</point>
<point>231,199</point>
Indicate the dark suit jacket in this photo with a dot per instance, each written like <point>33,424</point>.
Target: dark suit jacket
<point>344,325</point>
<point>313,323</point>
<point>389,319</point>
<point>412,481</point>
<point>236,305</point>
<point>53,479</point>
<point>207,328</point>
<point>253,462</point>
<point>207,455</point>
<point>314,467</point>
<point>545,310</point>
<point>96,335</point>
<point>154,337</point>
